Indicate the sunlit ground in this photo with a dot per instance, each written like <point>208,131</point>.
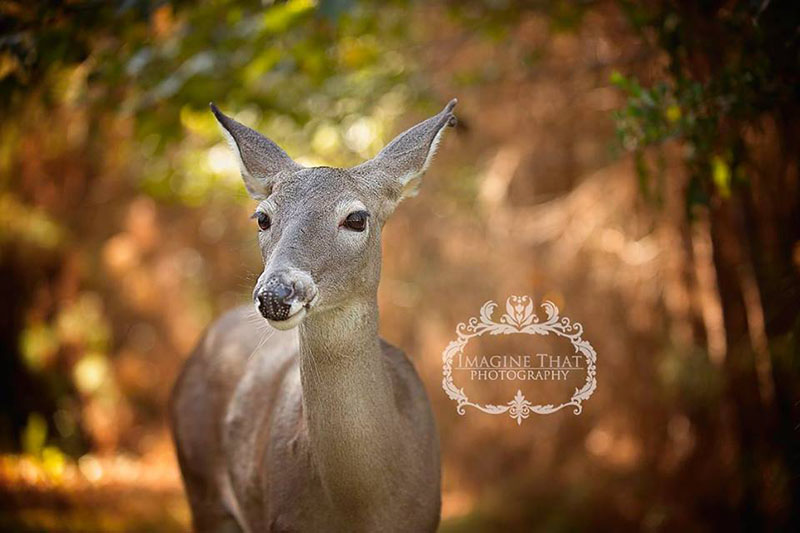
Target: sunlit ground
<point>95,493</point>
<point>52,492</point>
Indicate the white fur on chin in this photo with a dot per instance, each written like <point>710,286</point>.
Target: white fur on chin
<point>290,322</point>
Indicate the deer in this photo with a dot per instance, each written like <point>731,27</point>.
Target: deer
<point>293,414</point>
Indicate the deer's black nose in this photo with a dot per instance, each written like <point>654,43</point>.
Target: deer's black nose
<point>274,299</point>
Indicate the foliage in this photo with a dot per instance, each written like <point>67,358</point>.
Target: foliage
<point>295,68</point>
<point>730,64</point>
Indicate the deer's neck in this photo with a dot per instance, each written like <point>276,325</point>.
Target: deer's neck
<point>349,404</point>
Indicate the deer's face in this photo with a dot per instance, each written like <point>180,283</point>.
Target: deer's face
<point>319,233</point>
<point>319,228</point>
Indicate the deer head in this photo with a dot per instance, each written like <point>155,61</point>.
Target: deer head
<point>319,229</point>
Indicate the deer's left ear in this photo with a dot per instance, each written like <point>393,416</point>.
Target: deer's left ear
<point>397,169</point>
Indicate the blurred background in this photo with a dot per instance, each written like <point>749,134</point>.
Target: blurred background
<point>634,162</point>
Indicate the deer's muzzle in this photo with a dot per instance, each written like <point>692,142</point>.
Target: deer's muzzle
<point>284,298</point>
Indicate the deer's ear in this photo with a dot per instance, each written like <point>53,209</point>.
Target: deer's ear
<point>261,161</point>
<point>399,167</point>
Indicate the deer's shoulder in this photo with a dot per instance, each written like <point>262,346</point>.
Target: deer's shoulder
<point>408,388</point>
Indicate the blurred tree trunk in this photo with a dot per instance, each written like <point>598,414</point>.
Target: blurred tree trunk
<point>755,235</point>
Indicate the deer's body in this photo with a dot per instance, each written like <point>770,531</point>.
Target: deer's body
<point>312,423</point>
<point>257,416</point>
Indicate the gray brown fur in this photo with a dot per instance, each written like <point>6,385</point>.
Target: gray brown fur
<point>322,427</point>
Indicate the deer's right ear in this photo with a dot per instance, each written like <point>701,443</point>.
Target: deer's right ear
<point>261,161</point>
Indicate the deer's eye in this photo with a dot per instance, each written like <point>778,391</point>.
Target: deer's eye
<point>263,220</point>
<point>356,221</point>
